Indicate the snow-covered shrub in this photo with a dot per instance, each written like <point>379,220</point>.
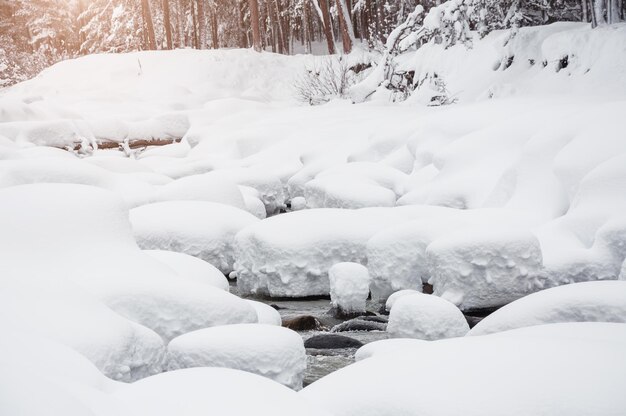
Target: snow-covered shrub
<point>328,78</point>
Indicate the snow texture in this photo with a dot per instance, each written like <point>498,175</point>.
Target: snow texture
<point>267,350</point>
<point>426,317</point>
<point>349,287</point>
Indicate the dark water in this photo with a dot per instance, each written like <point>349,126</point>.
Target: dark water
<point>321,362</point>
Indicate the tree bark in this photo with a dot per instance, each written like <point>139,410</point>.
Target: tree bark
<point>148,24</point>
<point>202,41</point>
<point>324,12</point>
<point>254,22</point>
<point>168,24</point>
<point>214,34</point>
<point>345,25</point>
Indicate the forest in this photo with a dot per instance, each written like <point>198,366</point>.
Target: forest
<point>37,33</point>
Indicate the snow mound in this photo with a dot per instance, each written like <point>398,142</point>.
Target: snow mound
<point>478,268</point>
<point>265,313</point>
<point>349,287</point>
<point>93,226</point>
<point>387,347</point>
<point>290,255</point>
<point>202,391</point>
<point>397,295</point>
<point>201,229</point>
<point>578,302</point>
<point>425,317</point>
<point>267,350</point>
<point>546,367</point>
<point>191,268</point>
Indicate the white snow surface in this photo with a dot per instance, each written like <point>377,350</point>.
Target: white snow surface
<point>426,317</point>
<point>349,287</point>
<point>265,313</point>
<point>528,371</point>
<point>267,350</point>
<point>191,268</point>
<point>577,302</point>
<point>201,229</point>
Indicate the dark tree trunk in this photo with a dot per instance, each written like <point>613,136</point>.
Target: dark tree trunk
<point>148,24</point>
<point>254,22</point>
<point>167,24</point>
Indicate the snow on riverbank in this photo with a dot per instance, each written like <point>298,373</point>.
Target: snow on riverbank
<point>519,187</point>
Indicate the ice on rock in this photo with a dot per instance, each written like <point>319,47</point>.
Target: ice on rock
<point>201,229</point>
<point>480,267</point>
<point>349,287</point>
<point>191,268</point>
<point>577,302</point>
<point>270,351</point>
<point>545,367</point>
<point>202,391</point>
<point>265,313</point>
<point>426,317</point>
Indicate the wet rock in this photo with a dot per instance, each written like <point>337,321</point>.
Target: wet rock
<point>332,341</point>
<point>278,308</point>
<point>359,325</point>
<point>472,321</point>
<point>303,323</point>
<point>374,318</point>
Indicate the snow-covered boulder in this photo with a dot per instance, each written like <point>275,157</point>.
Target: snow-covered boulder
<point>83,235</point>
<point>427,317</point>
<point>265,313</point>
<point>577,302</point>
<point>267,350</point>
<point>201,229</point>
<point>545,367</point>
<point>191,268</point>
<point>349,287</point>
<point>387,347</point>
<point>290,255</point>
<point>397,295</point>
<point>202,391</point>
<point>485,267</point>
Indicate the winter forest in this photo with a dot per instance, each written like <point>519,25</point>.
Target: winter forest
<point>52,30</point>
<point>312,207</point>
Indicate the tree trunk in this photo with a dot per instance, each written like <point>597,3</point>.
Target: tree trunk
<point>243,42</point>
<point>598,12</point>
<point>202,40</point>
<point>345,25</point>
<point>254,22</point>
<point>324,14</point>
<point>585,11</point>
<point>167,24</point>
<point>148,24</point>
<point>214,34</point>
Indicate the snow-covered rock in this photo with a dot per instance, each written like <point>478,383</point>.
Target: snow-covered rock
<point>191,268</point>
<point>387,347</point>
<point>479,268</point>
<point>201,229</point>
<point>265,313</point>
<point>397,295</point>
<point>349,287</point>
<point>267,350</point>
<point>202,391</point>
<point>290,255</point>
<point>577,302</point>
<point>83,235</point>
<point>545,367</point>
<point>427,317</point>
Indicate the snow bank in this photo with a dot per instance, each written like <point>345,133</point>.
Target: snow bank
<point>545,368</point>
<point>267,350</point>
<point>191,268</point>
<point>425,317</point>
<point>387,347</point>
<point>391,300</point>
<point>290,255</point>
<point>201,229</point>
<point>578,302</point>
<point>76,237</point>
<point>349,287</point>
<point>265,313</point>
<point>201,391</point>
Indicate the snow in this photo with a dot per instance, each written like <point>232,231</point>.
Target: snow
<point>388,347</point>
<point>349,287</point>
<point>201,391</point>
<point>267,350</point>
<point>546,368</point>
<point>397,295</point>
<point>577,302</point>
<point>265,313</point>
<point>191,268</point>
<point>201,229</point>
<point>425,317</point>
